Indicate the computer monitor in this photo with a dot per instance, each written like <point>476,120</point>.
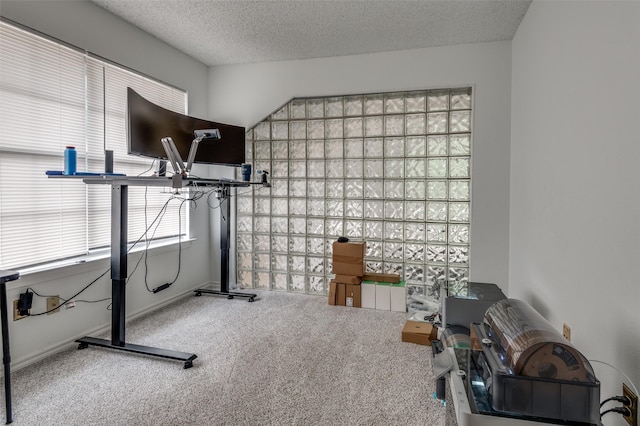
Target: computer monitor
<point>148,124</point>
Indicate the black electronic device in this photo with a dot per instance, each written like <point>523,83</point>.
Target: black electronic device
<point>162,168</point>
<point>108,161</point>
<point>24,303</point>
<point>264,179</point>
<point>148,124</point>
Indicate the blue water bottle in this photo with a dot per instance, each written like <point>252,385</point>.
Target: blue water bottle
<point>246,172</point>
<point>70,158</point>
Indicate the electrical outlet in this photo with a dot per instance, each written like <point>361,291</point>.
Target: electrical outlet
<point>53,305</point>
<point>16,311</point>
<point>633,418</point>
<point>566,331</point>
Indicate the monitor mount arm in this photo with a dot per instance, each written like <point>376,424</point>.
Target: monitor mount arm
<point>207,134</point>
<point>174,156</point>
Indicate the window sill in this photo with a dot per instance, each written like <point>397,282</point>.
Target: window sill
<point>93,260</point>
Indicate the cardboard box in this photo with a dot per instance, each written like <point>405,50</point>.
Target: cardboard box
<point>418,332</point>
<point>368,294</point>
<point>348,279</point>
<point>341,292</point>
<point>332,292</point>
<point>348,258</point>
<point>383,296</point>
<point>353,295</point>
<point>386,278</point>
<point>398,297</point>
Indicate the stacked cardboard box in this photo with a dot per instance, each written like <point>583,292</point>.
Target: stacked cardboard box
<point>348,265</point>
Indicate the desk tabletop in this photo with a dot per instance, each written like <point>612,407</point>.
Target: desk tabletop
<point>154,181</point>
<point>6,275</point>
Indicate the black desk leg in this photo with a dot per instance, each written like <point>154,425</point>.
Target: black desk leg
<point>119,213</point>
<point>119,236</point>
<point>6,352</point>
<point>225,245</point>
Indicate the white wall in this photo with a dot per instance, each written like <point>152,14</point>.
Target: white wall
<point>89,27</point>
<point>246,94</point>
<point>575,211</point>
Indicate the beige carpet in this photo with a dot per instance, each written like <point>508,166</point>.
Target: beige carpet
<point>284,359</point>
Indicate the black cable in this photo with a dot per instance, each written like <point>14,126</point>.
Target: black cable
<point>209,199</point>
<point>40,295</point>
<point>146,243</point>
<point>431,318</point>
<point>147,230</point>
<point>193,199</point>
<point>55,295</point>
<point>621,410</point>
<point>146,250</point>
<point>222,200</point>
<point>179,242</point>
<point>72,297</point>
<point>157,221</point>
<point>620,398</point>
<point>158,218</point>
<point>146,247</point>
<point>150,167</point>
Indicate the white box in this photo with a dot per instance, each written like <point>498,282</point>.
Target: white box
<point>399,297</point>
<point>383,296</point>
<point>368,295</point>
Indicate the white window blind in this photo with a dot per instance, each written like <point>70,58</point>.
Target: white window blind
<point>52,96</point>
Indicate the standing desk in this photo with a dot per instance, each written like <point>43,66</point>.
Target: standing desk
<point>119,215</point>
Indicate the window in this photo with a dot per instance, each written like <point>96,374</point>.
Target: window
<point>51,96</point>
<point>391,169</point>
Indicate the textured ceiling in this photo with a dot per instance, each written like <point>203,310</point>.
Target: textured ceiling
<point>244,31</point>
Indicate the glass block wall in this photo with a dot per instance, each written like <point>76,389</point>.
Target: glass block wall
<point>391,169</point>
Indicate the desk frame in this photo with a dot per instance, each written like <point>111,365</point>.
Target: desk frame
<point>119,220</point>
<point>225,240</point>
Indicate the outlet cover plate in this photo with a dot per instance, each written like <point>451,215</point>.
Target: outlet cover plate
<point>16,312</point>
<point>633,418</point>
<point>52,302</point>
<point>566,331</point>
